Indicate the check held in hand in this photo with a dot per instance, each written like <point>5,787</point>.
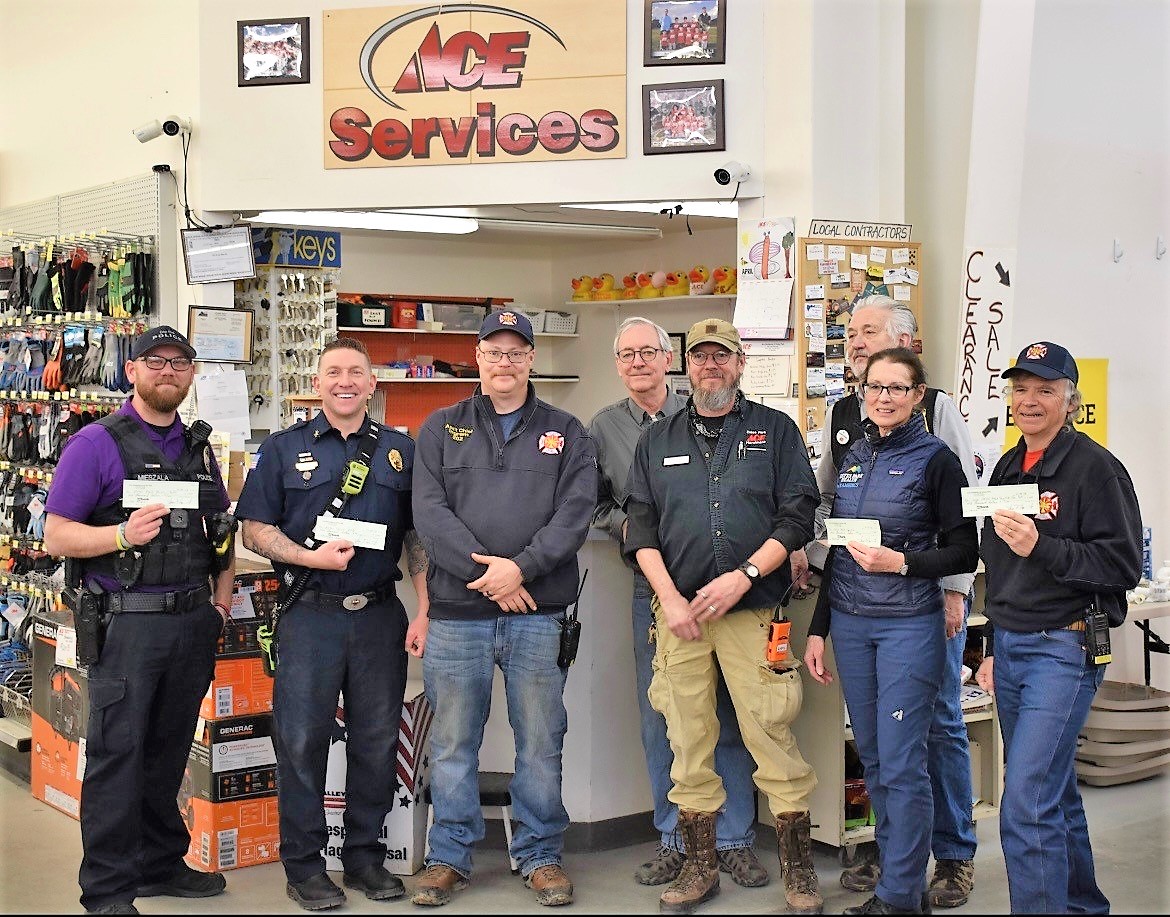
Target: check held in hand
<point>1019,498</point>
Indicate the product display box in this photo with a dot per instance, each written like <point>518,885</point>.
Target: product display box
<point>360,315</point>
<point>239,688</point>
<point>253,596</point>
<point>228,796</point>
<point>405,830</point>
<point>60,713</point>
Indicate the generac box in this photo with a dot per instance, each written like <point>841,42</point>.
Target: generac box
<point>60,714</point>
<point>239,688</point>
<point>253,595</point>
<point>405,828</point>
<point>230,835</point>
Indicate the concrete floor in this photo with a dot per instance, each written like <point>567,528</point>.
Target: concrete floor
<point>40,849</point>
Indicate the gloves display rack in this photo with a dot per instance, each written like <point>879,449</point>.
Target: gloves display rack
<point>107,274</point>
<point>295,316</point>
<point>42,358</point>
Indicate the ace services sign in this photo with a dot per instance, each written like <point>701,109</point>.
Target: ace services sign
<point>451,83</point>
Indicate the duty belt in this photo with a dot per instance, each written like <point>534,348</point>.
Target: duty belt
<point>157,602</point>
<point>354,602</point>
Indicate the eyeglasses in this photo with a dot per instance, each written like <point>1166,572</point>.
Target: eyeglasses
<point>515,357</point>
<point>699,357</point>
<point>178,364</point>
<point>894,391</point>
<point>646,353</point>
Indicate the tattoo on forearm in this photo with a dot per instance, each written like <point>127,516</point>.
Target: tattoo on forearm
<point>416,556</point>
<point>269,541</point>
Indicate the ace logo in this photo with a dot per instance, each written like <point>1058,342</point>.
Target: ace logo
<point>489,66</point>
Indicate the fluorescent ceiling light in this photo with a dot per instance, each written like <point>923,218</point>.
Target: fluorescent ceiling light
<point>552,227</point>
<point>726,209</point>
<point>357,219</point>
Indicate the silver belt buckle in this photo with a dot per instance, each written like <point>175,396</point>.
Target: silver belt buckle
<point>355,602</point>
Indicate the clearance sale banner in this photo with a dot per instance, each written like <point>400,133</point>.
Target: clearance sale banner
<point>452,83</point>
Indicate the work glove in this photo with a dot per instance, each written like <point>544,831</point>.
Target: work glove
<point>91,364</point>
<point>110,353</point>
<point>51,378</point>
<point>98,297</point>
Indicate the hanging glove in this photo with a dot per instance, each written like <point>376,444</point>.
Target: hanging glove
<point>36,364</point>
<point>98,299</point>
<point>129,294</point>
<point>51,378</point>
<point>91,364</point>
<point>20,362</point>
<point>125,344</point>
<point>110,353</point>
<point>48,421</point>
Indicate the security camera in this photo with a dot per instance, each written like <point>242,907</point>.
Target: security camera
<point>172,127</point>
<point>732,172</point>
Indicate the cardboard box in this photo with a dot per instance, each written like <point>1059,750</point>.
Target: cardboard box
<point>253,595</point>
<point>60,715</point>
<point>403,313</point>
<point>237,472</point>
<point>239,688</point>
<point>404,831</point>
<point>231,835</point>
<point>360,315</point>
<point>233,759</point>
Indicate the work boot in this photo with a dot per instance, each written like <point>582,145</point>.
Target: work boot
<point>437,884</point>
<point>863,875</point>
<point>316,893</point>
<point>952,883</point>
<point>375,881</point>
<point>185,882</point>
<point>665,867</point>
<point>876,905</point>
<point>118,907</point>
<point>802,891</point>
<point>698,880</point>
<point>551,885</point>
<point>744,867</point>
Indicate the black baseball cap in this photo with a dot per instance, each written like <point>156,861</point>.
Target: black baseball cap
<point>1046,360</point>
<point>507,320</point>
<point>160,336</point>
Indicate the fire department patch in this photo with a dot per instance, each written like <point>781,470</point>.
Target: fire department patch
<point>1036,352</point>
<point>551,443</point>
<point>1049,505</point>
<point>507,318</point>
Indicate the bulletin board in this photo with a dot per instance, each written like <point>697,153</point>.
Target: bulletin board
<point>832,275</point>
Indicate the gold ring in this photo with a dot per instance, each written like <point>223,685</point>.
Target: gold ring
<point>712,609</point>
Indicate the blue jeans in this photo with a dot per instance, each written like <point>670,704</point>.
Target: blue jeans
<point>949,759</point>
<point>890,672</point>
<point>733,762</point>
<point>325,652</point>
<point>458,668</point>
<point>1044,686</point>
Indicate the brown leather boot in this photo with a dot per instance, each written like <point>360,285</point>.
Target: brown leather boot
<point>699,879</point>
<point>802,891</point>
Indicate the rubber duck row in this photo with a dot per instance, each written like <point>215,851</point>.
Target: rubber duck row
<point>698,281</point>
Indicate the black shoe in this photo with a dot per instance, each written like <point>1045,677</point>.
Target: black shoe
<point>185,883</point>
<point>375,881</point>
<point>120,907</point>
<point>316,893</point>
<point>876,905</point>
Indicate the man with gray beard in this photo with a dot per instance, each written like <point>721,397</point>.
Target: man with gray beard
<point>718,496</point>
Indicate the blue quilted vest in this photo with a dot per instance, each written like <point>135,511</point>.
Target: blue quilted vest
<point>885,479</point>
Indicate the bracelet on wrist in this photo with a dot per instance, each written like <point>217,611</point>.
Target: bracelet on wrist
<point>120,538</point>
<point>223,610</point>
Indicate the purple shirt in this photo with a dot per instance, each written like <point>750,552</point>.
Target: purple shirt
<point>90,472</point>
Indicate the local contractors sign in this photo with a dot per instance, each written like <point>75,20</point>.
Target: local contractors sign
<point>450,83</point>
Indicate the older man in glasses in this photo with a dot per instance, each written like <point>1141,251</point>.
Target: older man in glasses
<point>642,354</point>
<point>718,496</point>
<point>503,493</point>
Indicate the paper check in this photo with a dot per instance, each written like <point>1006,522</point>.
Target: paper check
<point>172,494</point>
<point>983,501</point>
<point>866,531</point>
<point>360,534</point>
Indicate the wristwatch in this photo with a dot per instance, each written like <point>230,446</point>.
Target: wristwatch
<point>750,570</point>
<point>905,571</point>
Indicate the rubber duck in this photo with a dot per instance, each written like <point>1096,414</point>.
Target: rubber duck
<point>583,287</point>
<point>630,285</point>
<point>646,288</point>
<point>677,284</point>
<point>701,280</point>
<point>603,287</point>
<point>725,279</point>
<point>658,279</point>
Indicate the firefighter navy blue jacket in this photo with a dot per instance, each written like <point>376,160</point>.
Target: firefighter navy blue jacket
<point>529,498</point>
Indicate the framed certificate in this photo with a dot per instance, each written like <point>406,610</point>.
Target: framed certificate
<point>212,255</point>
<point>220,335</point>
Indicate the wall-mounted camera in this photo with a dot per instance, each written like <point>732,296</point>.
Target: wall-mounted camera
<point>732,172</point>
<point>172,127</point>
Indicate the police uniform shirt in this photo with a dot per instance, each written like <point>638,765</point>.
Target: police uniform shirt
<point>298,472</point>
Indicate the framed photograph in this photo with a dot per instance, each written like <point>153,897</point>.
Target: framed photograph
<point>220,335</point>
<point>271,52</point>
<point>215,255</point>
<point>678,349</point>
<point>684,32</point>
<point>682,117</point>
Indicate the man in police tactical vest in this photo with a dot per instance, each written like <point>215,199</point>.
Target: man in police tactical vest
<point>138,508</point>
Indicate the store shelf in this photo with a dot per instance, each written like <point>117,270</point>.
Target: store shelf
<point>14,734</point>
<point>539,334</point>
<point>650,299</point>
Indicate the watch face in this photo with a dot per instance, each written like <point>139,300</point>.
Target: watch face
<point>751,570</point>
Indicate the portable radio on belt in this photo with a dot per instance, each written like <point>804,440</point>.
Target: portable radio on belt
<point>1097,635</point>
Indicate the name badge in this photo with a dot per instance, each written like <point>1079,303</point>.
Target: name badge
<point>676,460</point>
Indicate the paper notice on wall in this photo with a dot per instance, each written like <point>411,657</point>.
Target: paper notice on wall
<point>763,306</point>
<point>766,375</point>
<point>223,401</point>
